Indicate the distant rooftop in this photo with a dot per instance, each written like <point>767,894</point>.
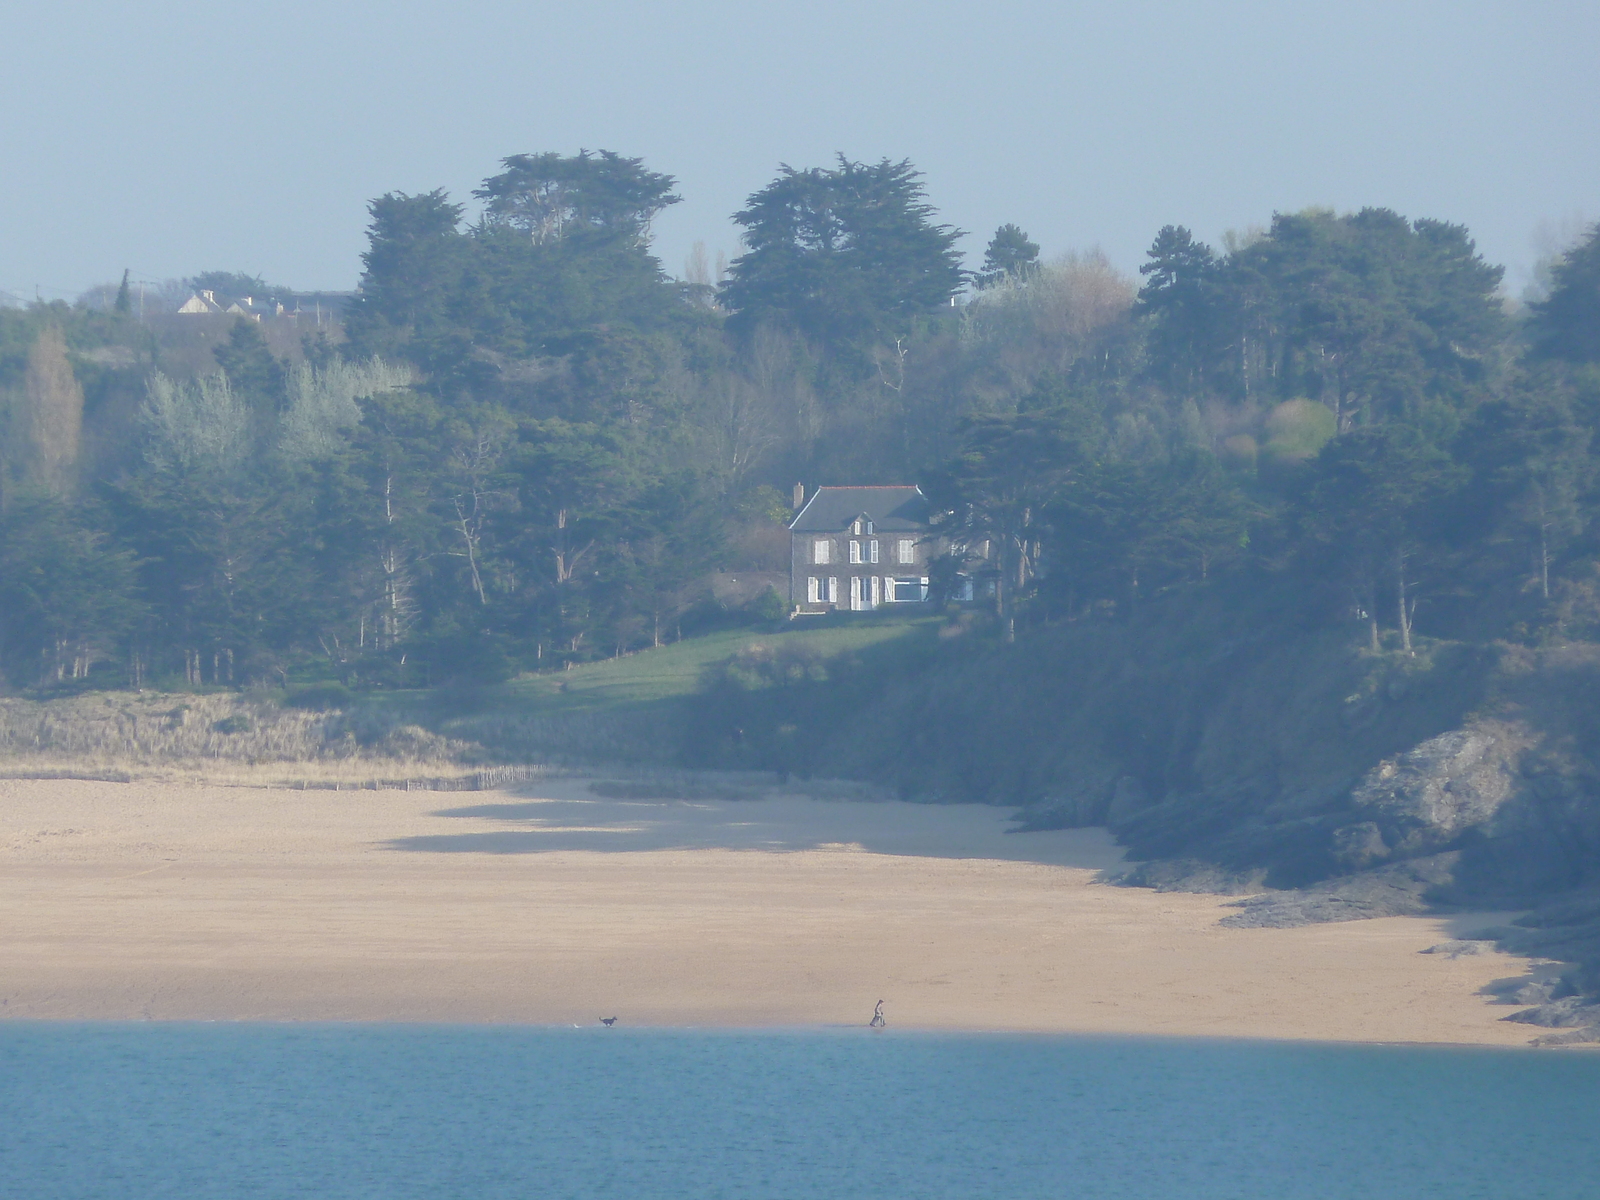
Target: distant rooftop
<point>894,508</point>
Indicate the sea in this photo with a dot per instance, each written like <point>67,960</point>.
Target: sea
<point>233,1111</point>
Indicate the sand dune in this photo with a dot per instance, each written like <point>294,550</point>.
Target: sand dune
<point>551,905</point>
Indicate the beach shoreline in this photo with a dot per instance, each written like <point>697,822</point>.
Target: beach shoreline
<point>548,905</point>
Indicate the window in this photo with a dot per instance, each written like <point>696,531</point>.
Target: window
<point>873,550</point>
<point>813,590</point>
<point>855,551</point>
<point>819,550</point>
<point>908,591</point>
<point>833,590</point>
<point>877,585</point>
<point>855,593</point>
<point>908,550</point>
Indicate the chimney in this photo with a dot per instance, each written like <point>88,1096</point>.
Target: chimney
<point>799,494</point>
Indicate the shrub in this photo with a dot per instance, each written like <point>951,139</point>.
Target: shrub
<point>320,697</point>
<point>769,606</point>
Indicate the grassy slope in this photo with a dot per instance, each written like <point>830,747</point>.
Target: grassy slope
<point>674,671</point>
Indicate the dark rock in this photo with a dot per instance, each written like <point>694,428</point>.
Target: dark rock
<point>1572,1012</point>
<point>1357,847</point>
<point>1192,875</point>
<point>1460,948</point>
<point>1575,910</point>
<point>1401,889</point>
<point>1574,1037</point>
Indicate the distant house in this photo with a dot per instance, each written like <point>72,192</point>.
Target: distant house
<point>322,307</point>
<point>206,303</point>
<point>857,549</point>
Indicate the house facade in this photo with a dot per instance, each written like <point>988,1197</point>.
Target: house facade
<point>857,549</point>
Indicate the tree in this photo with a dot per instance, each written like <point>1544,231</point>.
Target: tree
<point>414,260</point>
<point>1009,253</point>
<point>1532,469</point>
<point>46,421</point>
<point>1371,508</point>
<point>1127,528</point>
<point>234,285</point>
<point>1374,316</point>
<point>601,195</point>
<point>1049,319</point>
<point>1180,301</point>
<point>124,300</point>
<point>846,256</point>
<point>67,593</point>
<point>254,373</point>
<point>995,492</point>
<point>1567,324</point>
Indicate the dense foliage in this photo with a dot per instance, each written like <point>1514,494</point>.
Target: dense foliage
<point>526,445</point>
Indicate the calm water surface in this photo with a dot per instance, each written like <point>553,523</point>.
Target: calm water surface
<point>269,1111</point>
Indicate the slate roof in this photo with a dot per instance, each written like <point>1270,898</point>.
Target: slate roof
<point>896,509</point>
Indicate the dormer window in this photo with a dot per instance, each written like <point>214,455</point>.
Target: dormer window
<point>855,527</point>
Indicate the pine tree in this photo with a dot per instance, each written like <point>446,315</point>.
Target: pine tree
<point>1009,253</point>
<point>1567,325</point>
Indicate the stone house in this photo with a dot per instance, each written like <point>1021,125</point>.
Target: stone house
<point>856,549</point>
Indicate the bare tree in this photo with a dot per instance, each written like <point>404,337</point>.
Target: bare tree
<point>47,419</point>
<point>1049,318</point>
<point>195,424</point>
<point>475,460</point>
<point>324,402</point>
<point>697,267</point>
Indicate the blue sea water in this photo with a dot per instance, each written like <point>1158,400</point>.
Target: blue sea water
<point>219,1112</point>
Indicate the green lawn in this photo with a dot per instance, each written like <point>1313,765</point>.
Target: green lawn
<point>676,670</point>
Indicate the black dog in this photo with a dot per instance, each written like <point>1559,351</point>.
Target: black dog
<point>608,1022</point>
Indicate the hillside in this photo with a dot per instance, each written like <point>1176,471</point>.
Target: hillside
<point>627,710</point>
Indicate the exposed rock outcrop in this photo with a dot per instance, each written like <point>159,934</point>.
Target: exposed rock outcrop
<point>1424,800</point>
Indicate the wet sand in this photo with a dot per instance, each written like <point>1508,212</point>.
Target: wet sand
<point>549,905</point>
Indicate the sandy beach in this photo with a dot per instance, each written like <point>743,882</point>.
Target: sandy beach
<point>548,904</point>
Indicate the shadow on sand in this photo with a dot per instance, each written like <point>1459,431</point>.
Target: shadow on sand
<point>782,824</point>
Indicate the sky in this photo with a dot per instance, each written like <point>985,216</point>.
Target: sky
<point>169,140</point>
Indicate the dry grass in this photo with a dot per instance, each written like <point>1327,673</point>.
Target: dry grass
<point>222,738</point>
<point>244,741</point>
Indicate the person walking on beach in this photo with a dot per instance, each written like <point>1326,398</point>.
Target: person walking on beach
<point>877,1016</point>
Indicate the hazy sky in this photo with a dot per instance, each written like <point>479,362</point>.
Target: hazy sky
<point>175,139</point>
